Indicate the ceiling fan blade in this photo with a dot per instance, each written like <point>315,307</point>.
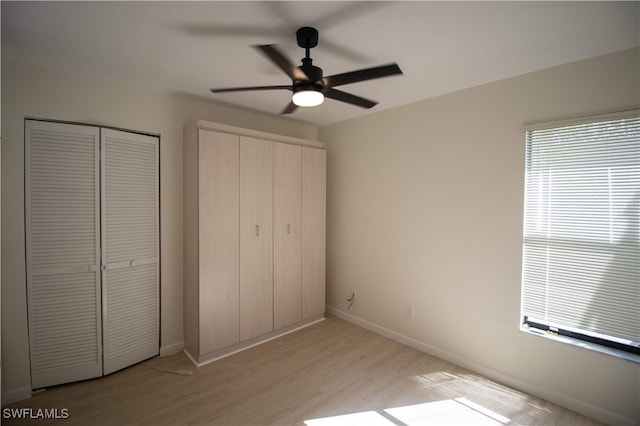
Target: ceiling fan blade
<point>289,108</point>
<point>246,89</point>
<point>278,58</point>
<point>361,75</point>
<point>339,95</point>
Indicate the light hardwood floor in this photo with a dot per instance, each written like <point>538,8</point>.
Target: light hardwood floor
<point>332,368</point>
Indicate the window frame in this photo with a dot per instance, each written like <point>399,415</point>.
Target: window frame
<point>582,338</point>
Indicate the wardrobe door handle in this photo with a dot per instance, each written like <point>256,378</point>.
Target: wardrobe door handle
<point>257,230</point>
<point>288,228</point>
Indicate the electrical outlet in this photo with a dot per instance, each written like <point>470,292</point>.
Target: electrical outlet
<point>408,311</point>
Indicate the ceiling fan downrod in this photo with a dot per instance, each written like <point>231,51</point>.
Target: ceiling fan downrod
<point>307,38</point>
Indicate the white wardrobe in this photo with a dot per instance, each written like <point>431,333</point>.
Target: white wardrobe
<point>254,237</point>
<point>92,249</point>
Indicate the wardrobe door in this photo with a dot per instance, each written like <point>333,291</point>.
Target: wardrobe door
<point>256,237</point>
<point>314,192</point>
<point>62,223</point>
<point>219,240</point>
<point>287,234</point>
<point>130,248</point>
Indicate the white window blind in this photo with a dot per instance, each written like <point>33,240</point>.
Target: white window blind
<point>581,252</point>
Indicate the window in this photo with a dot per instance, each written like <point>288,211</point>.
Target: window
<point>581,242</point>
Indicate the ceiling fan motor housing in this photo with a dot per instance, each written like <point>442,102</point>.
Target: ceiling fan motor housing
<point>307,85</point>
<point>312,72</point>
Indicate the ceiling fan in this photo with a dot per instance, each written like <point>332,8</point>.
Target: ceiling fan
<point>308,85</point>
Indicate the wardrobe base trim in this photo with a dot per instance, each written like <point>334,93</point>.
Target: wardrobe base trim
<point>228,351</point>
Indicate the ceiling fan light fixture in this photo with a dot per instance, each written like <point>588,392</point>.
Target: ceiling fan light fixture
<point>308,98</point>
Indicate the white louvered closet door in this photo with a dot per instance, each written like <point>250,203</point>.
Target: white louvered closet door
<point>62,251</point>
<point>130,249</point>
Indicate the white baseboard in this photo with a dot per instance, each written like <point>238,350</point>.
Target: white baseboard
<point>16,395</point>
<point>172,349</point>
<point>547,394</point>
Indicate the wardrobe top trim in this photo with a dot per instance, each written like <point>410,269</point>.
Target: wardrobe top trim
<point>225,128</point>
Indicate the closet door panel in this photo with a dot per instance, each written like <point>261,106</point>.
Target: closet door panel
<point>256,237</point>
<point>219,240</point>
<point>287,234</point>
<point>314,191</point>
<point>62,252</point>
<point>130,248</point>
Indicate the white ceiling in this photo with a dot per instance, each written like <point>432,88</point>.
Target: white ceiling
<point>189,47</point>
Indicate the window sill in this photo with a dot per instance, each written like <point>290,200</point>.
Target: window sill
<point>582,344</point>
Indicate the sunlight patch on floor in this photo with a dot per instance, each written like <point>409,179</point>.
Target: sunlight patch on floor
<point>459,411</point>
<point>367,418</point>
<point>448,412</point>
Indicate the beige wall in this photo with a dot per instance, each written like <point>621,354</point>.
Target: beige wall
<point>30,91</point>
<point>425,206</point>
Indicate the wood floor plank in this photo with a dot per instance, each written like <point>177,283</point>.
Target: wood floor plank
<point>331,368</point>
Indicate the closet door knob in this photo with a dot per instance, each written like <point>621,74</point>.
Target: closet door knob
<point>257,230</point>
<point>132,263</point>
<point>288,228</point>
